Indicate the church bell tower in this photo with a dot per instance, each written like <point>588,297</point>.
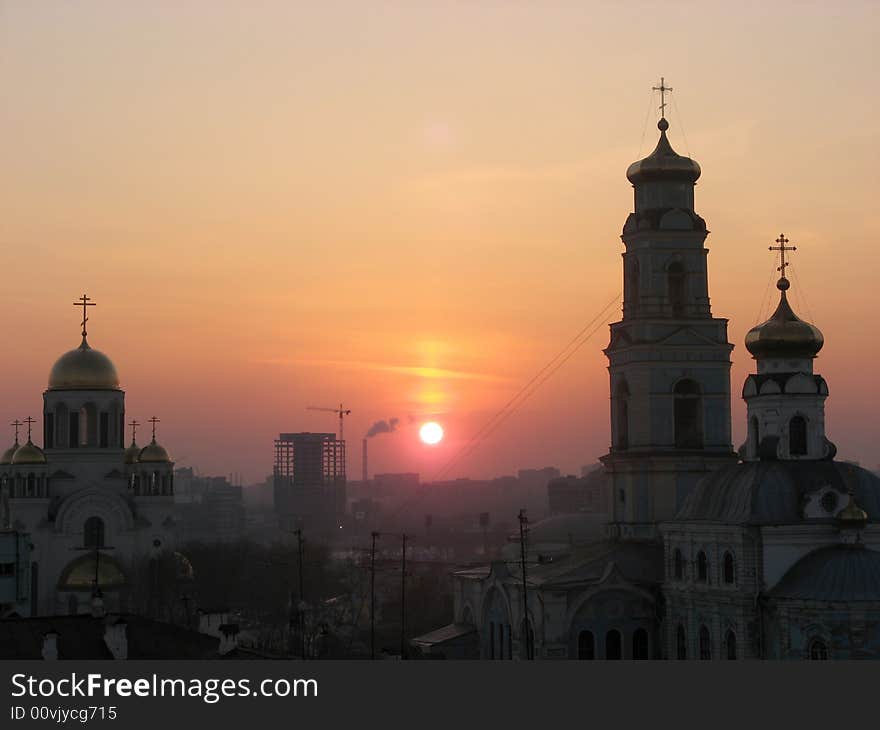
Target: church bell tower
<point>669,358</point>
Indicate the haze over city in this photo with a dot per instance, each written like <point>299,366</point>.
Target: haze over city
<point>411,209</point>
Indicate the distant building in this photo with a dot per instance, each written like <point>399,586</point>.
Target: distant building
<point>579,494</point>
<point>309,481</point>
<point>209,509</point>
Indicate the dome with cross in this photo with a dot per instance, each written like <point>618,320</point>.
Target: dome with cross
<point>83,368</point>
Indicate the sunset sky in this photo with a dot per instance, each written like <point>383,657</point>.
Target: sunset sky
<point>410,207</point>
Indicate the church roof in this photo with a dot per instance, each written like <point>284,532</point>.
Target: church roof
<point>784,334</point>
<point>773,492</point>
<point>832,574</point>
<point>664,163</point>
<point>83,369</point>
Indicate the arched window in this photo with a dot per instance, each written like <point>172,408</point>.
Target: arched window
<point>72,605</point>
<point>797,436</point>
<point>688,415</point>
<point>678,564</point>
<point>83,427</point>
<point>730,644</point>
<point>702,567</point>
<point>676,279</point>
<point>621,426</point>
<point>640,644</point>
<point>818,650</point>
<point>754,434</point>
<point>31,489</point>
<point>705,643</point>
<point>729,569</point>
<point>93,532</point>
<point>681,643</point>
<point>613,645</point>
<point>528,636</point>
<point>632,282</point>
<point>586,645</point>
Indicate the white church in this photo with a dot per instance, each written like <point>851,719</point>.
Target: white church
<point>771,551</point>
<point>90,505</point>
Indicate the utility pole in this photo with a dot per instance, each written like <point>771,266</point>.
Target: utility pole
<point>302,598</point>
<point>403,598</point>
<point>523,530</point>
<point>373,536</point>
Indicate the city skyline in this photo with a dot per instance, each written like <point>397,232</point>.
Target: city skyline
<point>396,245</point>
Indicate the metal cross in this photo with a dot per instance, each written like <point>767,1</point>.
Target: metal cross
<point>154,421</point>
<point>84,301</point>
<point>782,248</point>
<point>17,424</point>
<point>663,88</point>
<point>29,421</point>
<point>134,425</point>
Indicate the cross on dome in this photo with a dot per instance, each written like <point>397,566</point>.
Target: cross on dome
<point>29,421</point>
<point>84,302</point>
<point>154,421</point>
<point>16,424</point>
<point>782,248</point>
<point>663,88</point>
<point>134,425</point>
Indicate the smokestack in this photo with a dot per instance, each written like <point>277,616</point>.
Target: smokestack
<point>366,475</point>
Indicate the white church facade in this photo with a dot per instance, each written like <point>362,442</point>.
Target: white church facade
<point>91,506</point>
<point>771,551</point>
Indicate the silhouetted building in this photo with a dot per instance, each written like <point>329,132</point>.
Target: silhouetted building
<point>15,573</point>
<point>309,481</point>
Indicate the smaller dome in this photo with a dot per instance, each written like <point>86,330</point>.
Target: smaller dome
<point>664,163</point>
<point>154,453</point>
<point>29,454</point>
<point>83,369</point>
<point>784,334</point>
<point>9,453</point>
<point>852,515</point>
<point>132,453</point>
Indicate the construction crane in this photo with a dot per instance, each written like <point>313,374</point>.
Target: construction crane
<point>341,412</point>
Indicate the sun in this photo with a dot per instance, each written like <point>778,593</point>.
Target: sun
<point>431,433</point>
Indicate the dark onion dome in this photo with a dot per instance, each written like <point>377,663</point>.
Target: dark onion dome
<point>132,453</point>
<point>774,492</point>
<point>83,369</point>
<point>30,453</point>
<point>839,573</point>
<point>852,515</point>
<point>784,334</point>
<point>9,453</point>
<point>153,453</point>
<point>664,163</point>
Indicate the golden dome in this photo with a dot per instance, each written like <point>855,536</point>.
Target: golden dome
<point>154,453</point>
<point>83,369</point>
<point>30,453</point>
<point>9,453</point>
<point>132,453</point>
<point>852,515</point>
<point>664,163</point>
<point>784,334</point>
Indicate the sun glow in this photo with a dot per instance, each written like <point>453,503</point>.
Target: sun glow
<point>431,433</point>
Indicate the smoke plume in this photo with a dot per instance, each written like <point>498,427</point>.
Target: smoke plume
<point>383,427</point>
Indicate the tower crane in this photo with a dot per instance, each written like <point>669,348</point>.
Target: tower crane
<point>341,412</point>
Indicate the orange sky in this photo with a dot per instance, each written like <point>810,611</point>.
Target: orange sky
<point>410,207</point>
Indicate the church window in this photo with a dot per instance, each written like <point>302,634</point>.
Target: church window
<point>702,567</point>
<point>83,426</point>
<point>613,645</point>
<point>528,636</point>
<point>49,430</point>
<point>678,564</point>
<point>31,489</point>
<point>621,430</point>
<point>586,645</point>
<point>729,569</point>
<point>754,434</point>
<point>730,645</point>
<point>705,643</point>
<point>93,532</point>
<point>797,436</point>
<point>640,644</point>
<point>681,643</point>
<point>491,639</point>
<point>818,650</point>
<point>73,432</point>
<point>509,642</point>
<point>676,279</point>
<point>632,282</point>
<point>688,407</point>
<point>72,605</point>
<point>104,436</point>
<point>829,502</point>
<point>501,641</point>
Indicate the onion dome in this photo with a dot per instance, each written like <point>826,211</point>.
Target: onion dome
<point>9,453</point>
<point>30,453</point>
<point>132,453</point>
<point>852,515</point>
<point>784,334</point>
<point>154,453</point>
<point>664,163</point>
<point>83,369</point>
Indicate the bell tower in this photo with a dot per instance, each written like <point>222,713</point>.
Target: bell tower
<point>669,358</point>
